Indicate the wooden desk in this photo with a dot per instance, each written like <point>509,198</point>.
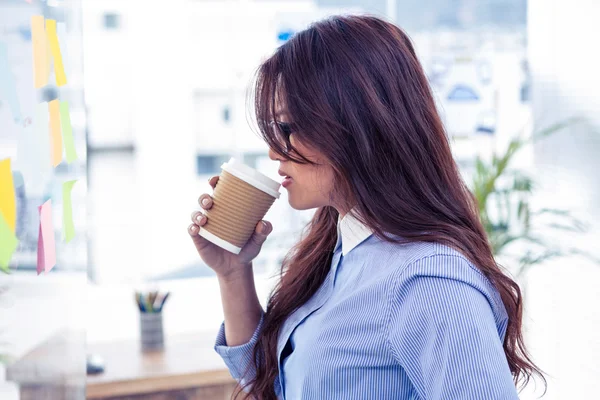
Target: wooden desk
<point>53,370</point>
<point>187,369</point>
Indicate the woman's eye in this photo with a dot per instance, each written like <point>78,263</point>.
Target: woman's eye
<point>285,128</point>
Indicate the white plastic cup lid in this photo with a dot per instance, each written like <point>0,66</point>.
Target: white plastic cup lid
<point>252,176</point>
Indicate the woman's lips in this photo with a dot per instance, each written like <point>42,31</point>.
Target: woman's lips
<point>286,182</point>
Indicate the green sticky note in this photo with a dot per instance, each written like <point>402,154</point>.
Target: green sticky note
<point>8,243</point>
<point>68,226</point>
<point>67,132</point>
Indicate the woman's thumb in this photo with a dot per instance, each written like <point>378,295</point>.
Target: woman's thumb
<point>262,230</point>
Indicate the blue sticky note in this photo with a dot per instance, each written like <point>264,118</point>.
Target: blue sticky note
<point>8,88</point>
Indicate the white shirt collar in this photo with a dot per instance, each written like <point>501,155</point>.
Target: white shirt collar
<point>350,232</point>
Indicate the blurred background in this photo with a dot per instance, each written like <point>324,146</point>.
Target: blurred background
<point>158,94</point>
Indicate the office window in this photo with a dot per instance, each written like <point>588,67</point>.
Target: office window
<point>111,21</point>
<point>226,114</point>
<point>525,92</point>
<point>210,164</point>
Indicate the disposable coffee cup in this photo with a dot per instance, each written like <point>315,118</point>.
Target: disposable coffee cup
<point>241,198</point>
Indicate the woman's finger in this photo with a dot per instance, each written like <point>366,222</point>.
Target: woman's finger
<point>205,201</point>
<point>200,242</point>
<point>193,229</point>
<point>198,218</point>
<point>212,181</point>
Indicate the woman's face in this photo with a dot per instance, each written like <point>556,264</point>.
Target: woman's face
<point>310,185</point>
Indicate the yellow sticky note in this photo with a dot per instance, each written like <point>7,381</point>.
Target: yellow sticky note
<point>68,225</point>
<point>59,69</point>
<point>67,132</point>
<point>41,55</point>
<point>8,206</point>
<point>8,243</point>
<point>55,135</point>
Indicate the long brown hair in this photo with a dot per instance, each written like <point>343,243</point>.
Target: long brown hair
<point>355,90</point>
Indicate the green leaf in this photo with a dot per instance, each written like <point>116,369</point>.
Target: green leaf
<point>485,185</point>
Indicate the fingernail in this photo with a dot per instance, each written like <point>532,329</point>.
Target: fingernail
<point>265,227</point>
<point>205,201</point>
<point>199,218</point>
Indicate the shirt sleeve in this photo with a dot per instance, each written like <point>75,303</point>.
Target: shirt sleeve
<point>239,359</point>
<point>443,333</point>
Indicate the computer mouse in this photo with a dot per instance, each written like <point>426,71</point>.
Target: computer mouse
<point>95,364</point>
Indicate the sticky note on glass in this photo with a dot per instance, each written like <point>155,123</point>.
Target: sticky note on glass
<point>59,69</point>
<point>8,206</point>
<point>46,256</point>
<point>8,87</point>
<point>33,153</point>
<point>8,243</point>
<point>67,132</point>
<point>61,30</point>
<point>41,53</point>
<point>68,226</point>
<point>55,134</point>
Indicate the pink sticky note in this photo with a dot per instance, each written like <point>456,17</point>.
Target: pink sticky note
<point>46,259</point>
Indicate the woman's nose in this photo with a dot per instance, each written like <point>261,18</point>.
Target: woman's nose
<point>273,156</point>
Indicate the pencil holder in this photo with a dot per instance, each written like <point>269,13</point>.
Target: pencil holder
<point>151,331</point>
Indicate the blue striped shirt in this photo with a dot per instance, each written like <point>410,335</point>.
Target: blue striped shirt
<point>390,321</point>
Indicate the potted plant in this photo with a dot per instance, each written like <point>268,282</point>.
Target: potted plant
<point>503,197</point>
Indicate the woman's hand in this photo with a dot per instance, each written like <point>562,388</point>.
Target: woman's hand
<point>223,262</point>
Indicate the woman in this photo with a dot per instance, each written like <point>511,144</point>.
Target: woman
<point>392,292</point>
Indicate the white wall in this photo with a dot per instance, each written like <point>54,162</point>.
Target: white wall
<point>563,297</point>
<point>108,72</point>
<point>160,83</point>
